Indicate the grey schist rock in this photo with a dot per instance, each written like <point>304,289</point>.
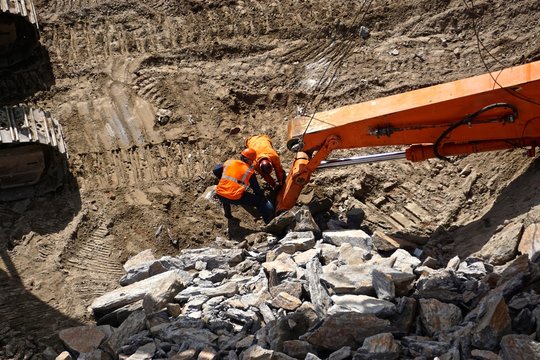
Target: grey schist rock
<point>267,313</point>
<point>502,247</point>
<point>423,346</point>
<point>117,316</point>
<point>347,279</point>
<point>354,237</point>
<point>453,263</point>
<point>145,352</point>
<point>64,355</point>
<point>238,306</point>
<point>515,347</point>
<point>329,252</point>
<point>305,222</point>
<point>353,255</point>
<point>404,261</point>
<point>362,304</point>
<point>492,321</point>
<point>134,324</point>
<point>227,289</point>
<point>214,258</point>
<point>437,316</point>
<point>284,265</point>
<point>215,276</point>
<point>144,257</point>
<point>530,242</point>
<point>383,285</point>
<point>286,301</point>
<point>292,287</point>
<point>440,284</point>
<point>198,338</point>
<point>512,275</point>
<point>257,352</point>
<point>208,353</point>
<point>301,259</point>
<point>484,355</point>
<point>301,241</point>
<point>83,339</point>
<point>346,329</point>
<point>318,294</point>
<point>297,348</point>
<point>471,268</point>
<point>134,292</point>
<point>341,354</point>
<point>380,346</point>
<point>162,293</point>
<point>148,269</point>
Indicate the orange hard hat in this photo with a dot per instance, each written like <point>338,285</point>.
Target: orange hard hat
<point>249,154</point>
<point>266,166</point>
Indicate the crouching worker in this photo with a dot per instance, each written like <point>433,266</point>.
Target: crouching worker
<point>267,160</point>
<point>235,177</point>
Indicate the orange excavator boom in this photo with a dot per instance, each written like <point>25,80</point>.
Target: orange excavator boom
<point>493,111</point>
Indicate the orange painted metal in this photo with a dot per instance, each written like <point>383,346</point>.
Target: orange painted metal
<point>302,168</point>
<point>417,153</point>
<point>421,116</point>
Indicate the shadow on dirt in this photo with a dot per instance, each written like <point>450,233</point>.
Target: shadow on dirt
<point>23,311</point>
<point>23,80</point>
<point>237,232</point>
<point>515,200</point>
<point>19,308</point>
<point>43,215</point>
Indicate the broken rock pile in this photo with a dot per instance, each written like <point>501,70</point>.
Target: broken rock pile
<point>339,295</point>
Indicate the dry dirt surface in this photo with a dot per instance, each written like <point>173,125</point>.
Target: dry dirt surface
<point>151,94</point>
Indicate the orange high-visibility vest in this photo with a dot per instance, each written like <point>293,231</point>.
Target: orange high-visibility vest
<point>234,180</point>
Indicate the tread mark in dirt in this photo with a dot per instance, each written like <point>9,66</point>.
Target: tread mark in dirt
<point>94,256</point>
<point>131,167</point>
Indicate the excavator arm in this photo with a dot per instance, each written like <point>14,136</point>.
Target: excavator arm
<point>494,111</point>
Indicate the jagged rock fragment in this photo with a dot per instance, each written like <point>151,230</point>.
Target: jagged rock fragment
<point>82,339</point>
<point>354,237</point>
<point>134,292</point>
<point>502,247</point>
<point>423,346</point>
<point>318,294</point>
<point>515,347</point>
<point>437,316</point>
<point>380,346</point>
<point>362,304</point>
<point>492,321</point>
<point>346,329</point>
<point>300,241</point>
<point>383,285</point>
<point>297,348</point>
<point>530,241</point>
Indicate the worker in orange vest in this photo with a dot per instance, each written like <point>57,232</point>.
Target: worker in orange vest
<point>267,159</point>
<point>235,178</point>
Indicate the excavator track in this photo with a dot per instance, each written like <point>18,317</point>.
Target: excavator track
<point>19,31</point>
<point>24,63</point>
<point>33,156</point>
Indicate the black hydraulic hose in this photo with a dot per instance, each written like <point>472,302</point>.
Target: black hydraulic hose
<point>468,120</point>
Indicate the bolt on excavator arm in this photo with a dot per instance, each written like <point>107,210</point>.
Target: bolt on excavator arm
<point>493,111</point>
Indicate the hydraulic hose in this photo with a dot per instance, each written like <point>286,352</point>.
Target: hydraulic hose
<point>468,120</point>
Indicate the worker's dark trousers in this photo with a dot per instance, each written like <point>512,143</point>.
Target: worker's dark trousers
<point>264,206</point>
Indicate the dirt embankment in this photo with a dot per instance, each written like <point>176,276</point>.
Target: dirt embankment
<point>152,94</point>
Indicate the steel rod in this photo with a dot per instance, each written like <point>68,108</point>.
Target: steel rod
<point>365,159</point>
